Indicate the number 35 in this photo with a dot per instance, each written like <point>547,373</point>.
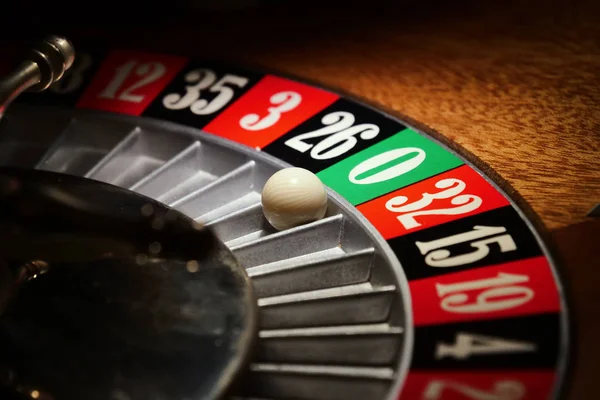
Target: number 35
<point>204,80</point>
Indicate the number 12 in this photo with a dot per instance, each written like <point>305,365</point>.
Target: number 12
<point>148,72</point>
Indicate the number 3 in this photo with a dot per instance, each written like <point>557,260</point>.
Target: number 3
<point>284,102</point>
<point>204,79</point>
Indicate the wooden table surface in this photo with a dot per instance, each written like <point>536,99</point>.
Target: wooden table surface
<point>515,83</point>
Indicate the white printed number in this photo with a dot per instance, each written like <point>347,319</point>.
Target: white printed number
<point>500,293</point>
<point>204,80</point>
<point>452,189</point>
<point>341,136</point>
<point>436,255</point>
<point>467,345</point>
<point>283,102</point>
<point>503,390</point>
<point>362,173</point>
<point>73,78</point>
<point>146,73</point>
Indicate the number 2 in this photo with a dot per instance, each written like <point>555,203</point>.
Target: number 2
<point>503,390</point>
<point>342,136</point>
<point>204,79</point>
<point>453,187</point>
<point>283,102</point>
<point>148,72</point>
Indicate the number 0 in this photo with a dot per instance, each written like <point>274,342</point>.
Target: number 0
<point>418,156</point>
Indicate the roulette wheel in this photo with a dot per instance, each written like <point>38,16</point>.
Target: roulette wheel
<point>426,278</point>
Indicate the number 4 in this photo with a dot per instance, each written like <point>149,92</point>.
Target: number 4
<point>468,344</point>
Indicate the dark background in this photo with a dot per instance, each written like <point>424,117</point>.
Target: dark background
<point>516,83</point>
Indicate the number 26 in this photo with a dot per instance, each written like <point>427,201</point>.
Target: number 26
<point>340,133</point>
